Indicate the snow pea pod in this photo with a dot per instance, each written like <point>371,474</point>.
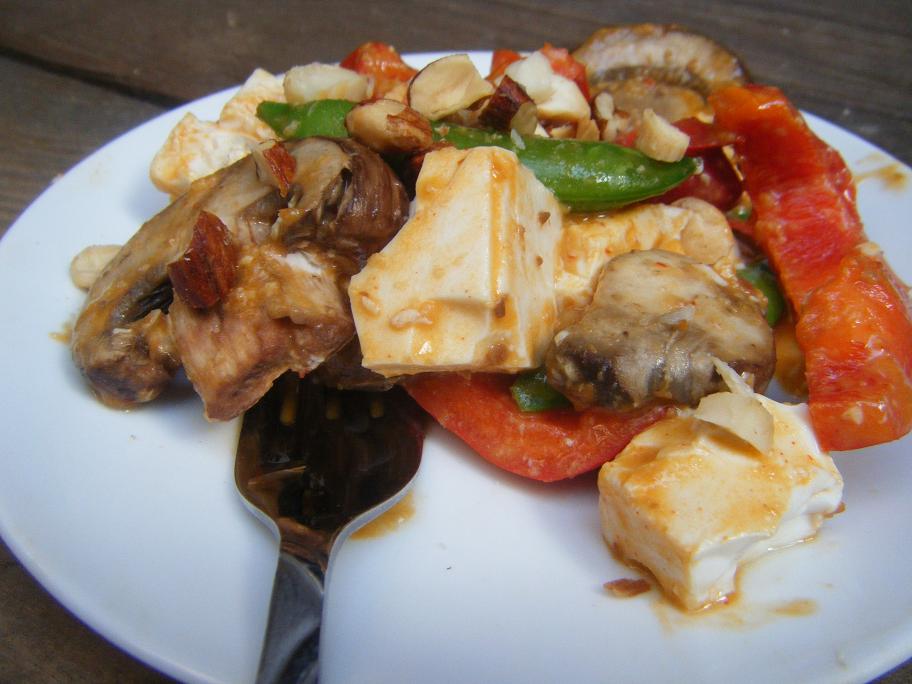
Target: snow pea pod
<point>584,175</point>
<point>532,393</point>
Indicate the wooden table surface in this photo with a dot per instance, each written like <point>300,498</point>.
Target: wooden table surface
<point>73,75</point>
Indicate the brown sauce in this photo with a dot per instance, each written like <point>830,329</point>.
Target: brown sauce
<point>892,176</point>
<point>796,608</point>
<point>733,611</point>
<point>64,336</point>
<point>390,521</point>
<point>627,587</point>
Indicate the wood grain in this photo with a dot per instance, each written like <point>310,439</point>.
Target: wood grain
<point>50,122</point>
<point>74,75</point>
<point>848,66</point>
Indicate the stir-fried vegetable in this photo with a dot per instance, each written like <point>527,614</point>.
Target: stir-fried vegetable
<point>585,175</point>
<point>382,63</point>
<point>547,446</point>
<point>320,117</point>
<point>532,393</point>
<point>760,276</point>
<point>854,317</point>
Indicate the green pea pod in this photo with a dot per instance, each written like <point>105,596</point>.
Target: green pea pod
<point>320,117</point>
<point>760,276</point>
<point>584,175</point>
<point>532,393</point>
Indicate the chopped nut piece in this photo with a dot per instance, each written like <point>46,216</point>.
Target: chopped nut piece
<point>742,416</point>
<point>446,86</point>
<point>660,140</point>
<point>603,106</point>
<point>535,75</point>
<point>509,108</point>
<point>387,126</point>
<point>322,82</point>
<point>587,129</point>
<point>203,275</point>
<point>89,263</point>
<point>275,165</point>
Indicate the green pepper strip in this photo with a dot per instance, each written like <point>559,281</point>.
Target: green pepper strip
<point>760,276</point>
<point>584,175</point>
<point>532,393</point>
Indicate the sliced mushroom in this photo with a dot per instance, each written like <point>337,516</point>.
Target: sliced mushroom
<point>286,305</point>
<point>347,200</point>
<point>665,68</point>
<point>112,337</point>
<point>656,323</point>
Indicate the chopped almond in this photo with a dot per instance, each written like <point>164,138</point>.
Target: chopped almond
<point>324,81</point>
<point>275,165</point>
<point>203,275</point>
<point>510,108</point>
<point>660,140</point>
<point>89,263</point>
<point>387,126</point>
<point>446,86</point>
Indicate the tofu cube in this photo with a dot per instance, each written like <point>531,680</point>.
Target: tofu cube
<point>468,282</point>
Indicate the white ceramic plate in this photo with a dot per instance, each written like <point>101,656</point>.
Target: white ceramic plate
<point>131,519</point>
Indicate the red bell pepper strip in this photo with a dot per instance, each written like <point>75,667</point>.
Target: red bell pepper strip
<point>546,446</point>
<point>856,333</point>
<point>704,136</point>
<point>854,320</point>
<point>383,63</point>
<point>801,190</point>
<point>717,183</point>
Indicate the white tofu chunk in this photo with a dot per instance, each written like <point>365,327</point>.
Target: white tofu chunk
<point>195,149</point>
<point>468,282</point>
<point>692,503</point>
<point>588,242</point>
<point>239,113</point>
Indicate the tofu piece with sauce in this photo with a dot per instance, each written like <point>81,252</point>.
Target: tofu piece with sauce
<point>195,148</point>
<point>690,226</point>
<point>468,282</point>
<point>692,502</point>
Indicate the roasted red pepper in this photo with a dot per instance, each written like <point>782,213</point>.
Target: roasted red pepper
<point>383,63</point>
<point>801,190</point>
<point>854,321</point>
<point>856,333</point>
<point>717,183</point>
<point>704,136</point>
<point>547,446</point>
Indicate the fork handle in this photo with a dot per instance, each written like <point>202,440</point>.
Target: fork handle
<point>290,652</point>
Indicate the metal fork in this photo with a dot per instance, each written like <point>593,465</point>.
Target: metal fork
<point>317,461</point>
